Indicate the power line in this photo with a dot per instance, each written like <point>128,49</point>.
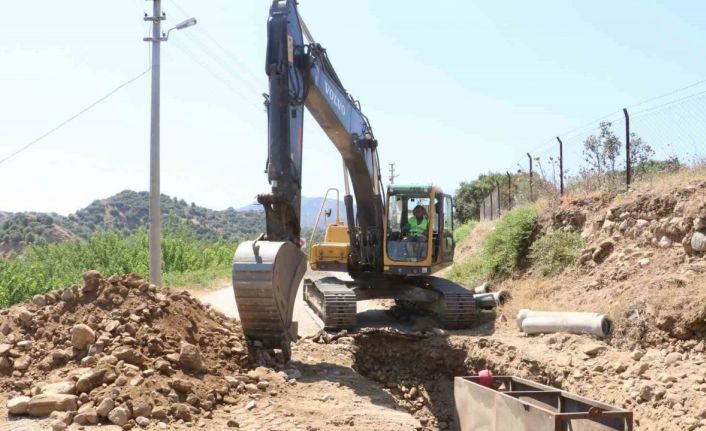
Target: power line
<point>250,75</point>
<point>73,117</point>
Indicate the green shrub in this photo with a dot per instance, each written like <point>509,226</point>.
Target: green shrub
<point>503,250</point>
<point>44,267</point>
<point>507,245</point>
<point>462,231</point>
<point>555,251</point>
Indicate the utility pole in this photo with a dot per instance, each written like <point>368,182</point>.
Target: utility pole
<point>155,213</point>
<point>392,173</point>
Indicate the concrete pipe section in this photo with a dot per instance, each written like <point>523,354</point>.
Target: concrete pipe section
<point>545,322</point>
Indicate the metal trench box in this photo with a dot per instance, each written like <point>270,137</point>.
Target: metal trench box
<point>514,404</point>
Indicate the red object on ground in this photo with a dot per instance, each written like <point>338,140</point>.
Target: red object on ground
<point>485,378</point>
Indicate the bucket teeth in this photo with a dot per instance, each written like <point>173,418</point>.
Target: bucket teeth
<point>266,276</point>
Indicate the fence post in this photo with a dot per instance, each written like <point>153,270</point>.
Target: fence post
<point>497,187</point>
<point>509,190</point>
<point>531,174</point>
<point>628,167</point>
<point>561,166</point>
<point>482,216</point>
<point>491,204</point>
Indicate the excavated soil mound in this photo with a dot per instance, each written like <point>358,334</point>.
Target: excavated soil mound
<point>119,350</point>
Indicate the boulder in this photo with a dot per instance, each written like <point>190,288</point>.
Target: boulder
<point>44,404</point>
<point>130,355</point>
<point>82,335</point>
<point>88,381</point>
<point>698,242</point>
<point>91,281</point>
<point>105,406</point>
<point>190,357</point>
<point>119,415</point>
<point>18,405</point>
<point>66,387</point>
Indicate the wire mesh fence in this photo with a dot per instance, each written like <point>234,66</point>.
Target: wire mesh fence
<point>662,135</point>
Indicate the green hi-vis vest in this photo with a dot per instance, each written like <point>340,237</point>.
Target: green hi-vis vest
<point>417,228</point>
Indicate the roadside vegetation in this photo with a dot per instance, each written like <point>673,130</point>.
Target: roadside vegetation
<point>462,231</point>
<point>187,261</point>
<point>503,251</point>
<point>555,251</point>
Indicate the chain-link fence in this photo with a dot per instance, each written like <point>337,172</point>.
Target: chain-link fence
<point>661,135</point>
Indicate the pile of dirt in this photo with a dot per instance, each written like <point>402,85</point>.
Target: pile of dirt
<point>119,350</point>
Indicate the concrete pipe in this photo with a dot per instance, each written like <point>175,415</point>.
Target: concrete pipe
<point>545,322</point>
<point>483,288</point>
<point>488,301</point>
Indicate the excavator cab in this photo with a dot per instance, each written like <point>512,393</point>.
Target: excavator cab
<point>418,230</point>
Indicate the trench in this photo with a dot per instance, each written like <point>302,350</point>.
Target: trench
<point>418,371</point>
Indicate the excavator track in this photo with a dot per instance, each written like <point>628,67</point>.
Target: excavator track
<point>456,308</point>
<point>333,301</point>
<point>266,276</point>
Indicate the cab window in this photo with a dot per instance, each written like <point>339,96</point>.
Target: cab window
<point>408,227</point>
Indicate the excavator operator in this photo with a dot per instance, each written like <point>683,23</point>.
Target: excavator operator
<point>419,222</point>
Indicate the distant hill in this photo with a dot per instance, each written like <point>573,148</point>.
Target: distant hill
<point>125,212</point>
<point>128,211</point>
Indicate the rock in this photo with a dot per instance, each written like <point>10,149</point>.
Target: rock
<point>646,392</point>
<point>636,355</point>
<point>82,335</point>
<point>181,385</point>
<point>129,355</point>
<point>86,416</point>
<point>25,315</point>
<point>700,224</point>
<point>66,387</point>
<point>232,423</point>
<point>68,295</point>
<point>18,405</point>
<point>22,363</point>
<point>251,388</point>
<point>105,406</point>
<point>190,357</point>
<point>39,300</point>
<point>698,242</point>
<point>91,281</point>
<point>90,380</point>
<point>44,404</point>
<point>643,262</point>
<point>672,358</point>
<point>141,408</point>
<point>182,411</point>
<point>119,415</point>
<point>251,405</point>
<point>159,412</point>
<point>5,349</point>
<point>665,242</point>
<point>593,349</point>
<point>5,328</point>
<point>142,421</point>
<point>58,425</point>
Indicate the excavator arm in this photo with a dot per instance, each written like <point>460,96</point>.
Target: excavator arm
<point>267,272</point>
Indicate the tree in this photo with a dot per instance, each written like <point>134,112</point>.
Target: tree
<point>601,152</point>
<point>470,195</point>
<point>640,153</point>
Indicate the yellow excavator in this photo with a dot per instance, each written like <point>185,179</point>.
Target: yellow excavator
<point>393,238</point>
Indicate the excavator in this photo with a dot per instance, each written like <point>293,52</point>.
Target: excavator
<point>393,239</point>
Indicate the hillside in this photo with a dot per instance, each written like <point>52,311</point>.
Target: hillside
<point>125,212</point>
<point>640,258</point>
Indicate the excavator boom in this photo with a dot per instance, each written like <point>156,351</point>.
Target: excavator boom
<point>267,272</point>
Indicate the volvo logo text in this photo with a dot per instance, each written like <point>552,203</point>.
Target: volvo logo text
<point>334,98</point>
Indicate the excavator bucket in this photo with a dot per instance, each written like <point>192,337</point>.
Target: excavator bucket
<point>266,276</point>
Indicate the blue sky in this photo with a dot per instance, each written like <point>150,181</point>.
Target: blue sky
<point>452,89</point>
